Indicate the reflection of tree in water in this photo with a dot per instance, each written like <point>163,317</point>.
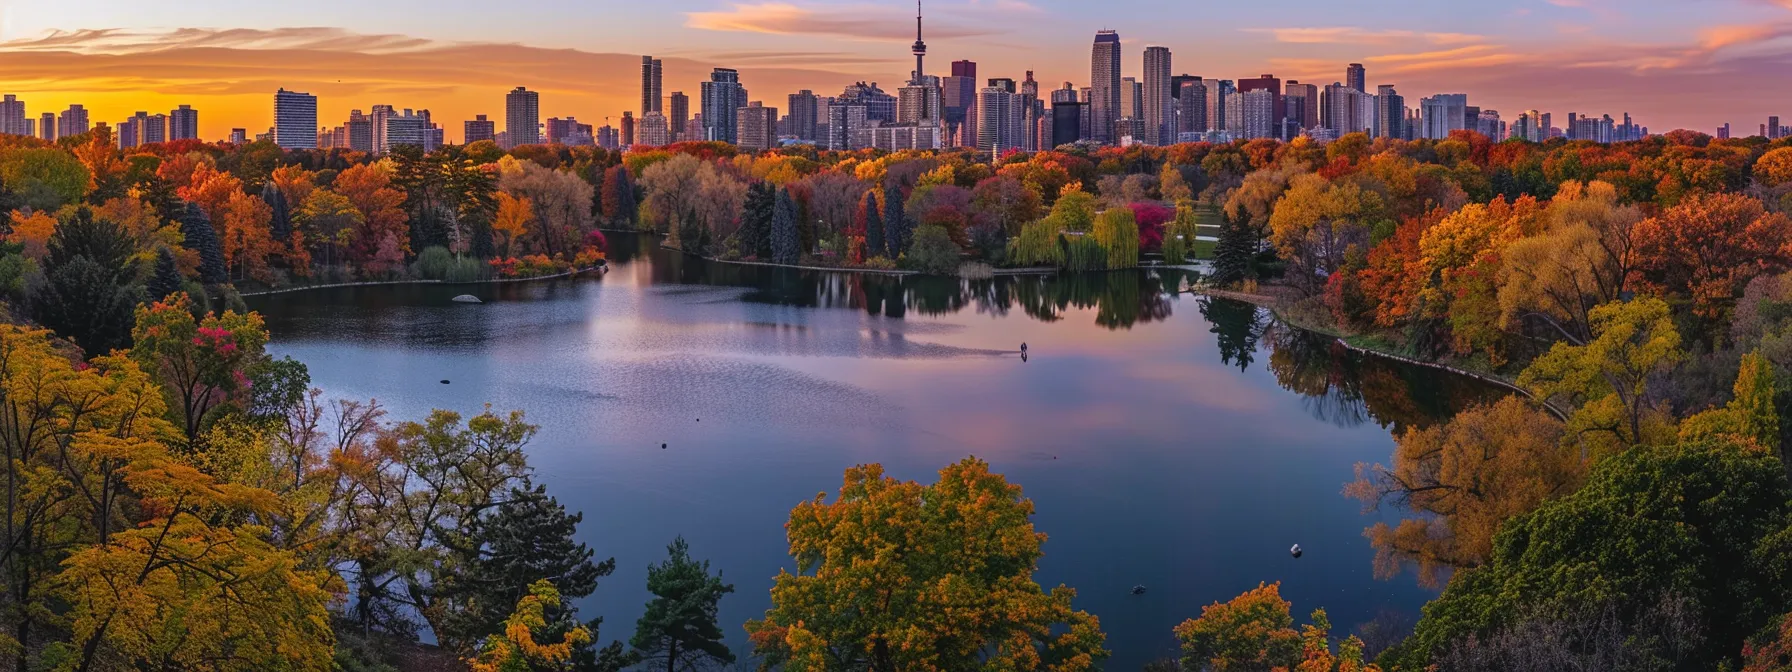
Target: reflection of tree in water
<point>1347,388</point>
<point>1236,326</point>
<point>1121,299</point>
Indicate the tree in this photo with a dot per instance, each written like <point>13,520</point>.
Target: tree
<point>1233,254</point>
<point>45,178</point>
<point>679,626</point>
<point>934,252</point>
<point>1709,246</point>
<point>873,224</point>
<point>1007,202</point>
<point>1465,477</point>
<point>517,649</point>
<point>1706,522</point>
<point>785,244</point>
<point>756,220</point>
<point>1608,381</point>
<point>1315,223</point>
<point>167,279</point>
<point>1771,655</point>
<point>1750,418</point>
<point>200,237</point>
<point>202,365</point>
<point>1583,259</point>
<point>280,210</point>
<point>369,188</point>
<point>961,588</point>
<point>247,237</point>
<point>1774,168</point>
<point>88,291</point>
<point>1118,234</point>
<point>514,217</point>
<point>619,196</point>
<point>1252,632</point>
<point>1074,212</point>
<point>329,221</point>
<point>898,230</point>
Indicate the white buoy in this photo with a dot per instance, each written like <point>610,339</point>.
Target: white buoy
<point>1295,551</point>
<point>467,298</point>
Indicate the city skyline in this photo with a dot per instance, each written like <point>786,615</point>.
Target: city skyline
<point>1676,70</point>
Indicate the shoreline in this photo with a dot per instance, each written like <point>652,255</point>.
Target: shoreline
<point>388,283</point>
<point>1270,303</point>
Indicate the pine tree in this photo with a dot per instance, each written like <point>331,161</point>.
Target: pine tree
<point>201,238</point>
<point>874,225</point>
<point>87,294</point>
<point>1232,255</point>
<point>167,279</point>
<point>679,626</point>
<point>756,221</point>
<point>784,240</point>
<point>897,232</point>
<point>281,224</point>
<point>619,197</point>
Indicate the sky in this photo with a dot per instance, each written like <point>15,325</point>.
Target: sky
<point>1670,63</point>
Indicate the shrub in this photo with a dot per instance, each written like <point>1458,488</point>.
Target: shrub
<point>433,263</point>
<point>933,252</point>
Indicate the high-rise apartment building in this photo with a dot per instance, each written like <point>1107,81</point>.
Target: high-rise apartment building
<point>46,126</point>
<point>381,115</point>
<point>183,123</point>
<point>879,106</point>
<point>1160,112</point>
<point>359,129</point>
<point>1390,113</point>
<point>1219,92</point>
<point>1000,120</point>
<point>295,120</point>
<point>847,127</point>
<point>1104,84</point>
<point>959,99</point>
<point>406,128</point>
<point>522,117</point>
<point>12,116</point>
<point>680,117</point>
<point>758,126</point>
<point>1773,127</point>
<point>1191,107</point>
<point>1355,77</point>
<point>722,99</point>
<point>653,131</point>
<point>1342,110</point>
<point>1274,86</point>
<point>72,122</point>
<point>804,106</point>
<point>1446,112</point>
<point>628,128</point>
<point>920,103</point>
<point>153,128</point>
<point>1301,106</point>
<point>239,136</point>
<point>1259,118</point>
<point>479,128</point>
<point>650,85</point>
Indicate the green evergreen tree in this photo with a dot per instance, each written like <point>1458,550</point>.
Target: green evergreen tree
<point>897,230</point>
<point>679,628</point>
<point>1232,257</point>
<point>200,237</point>
<point>87,295</point>
<point>167,279</point>
<point>756,221</point>
<point>785,242</point>
<point>874,225</point>
<point>281,224</point>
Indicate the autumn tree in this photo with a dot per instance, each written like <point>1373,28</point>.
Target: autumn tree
<point>1751,417</point>
<point>199,236</point>
<point>679,627</point>
<point>619,197</point>
<point>527,641</point>
<point>1118,234</point>
<point>1610,380</point>
<point>1583,258</point>
<point>1316,222</point>
<point>873,224</point>
<point>380,217</point>
<point>1709,246</point>
<point>201,364</point>
<point>1253,631</point>
<point>562,204</point>
<point>1006,202</point>
<point>514,217</point>
<point>1465,477</point>
<point>330,222</point>
<point>961,588</point>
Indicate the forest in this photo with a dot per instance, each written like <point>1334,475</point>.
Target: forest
<point>177,498</point>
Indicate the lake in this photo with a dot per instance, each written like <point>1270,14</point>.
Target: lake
<point>1166,439</point>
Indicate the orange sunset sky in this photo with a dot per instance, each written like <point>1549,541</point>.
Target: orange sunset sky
<point>1671,63</point>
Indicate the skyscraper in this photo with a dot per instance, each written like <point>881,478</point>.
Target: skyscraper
<point>1301,103</point>
<point>803,107</point>
<point>650,85</point>
<point>653,131</point>
<point>1355,77</point>
<point>295,120</point>
<point>12,115</point>
<point>72,122</point>
<point>522,117</point>
<point>879,106</point>
<point>1131,106</point>
<point>1160,114</point>
<point>722,99</point>
<point>1274,87</point>
<point>1445,112</point>
<point>681,116</point>
<point>1191,107</point>
<point>1104,82</point>
<point>359,129</point>
<point>1259,114</point>
<point>46,126</point>
<point>407,128</point>
<point>479,128</point>
<point>183,123</point>
<point>628,128</point>
<point>1390,113</point>
<point>846,127</point>
<point>239,136</point>
<point>999,123</point>
<point>959,99</point>
<point>153,129</point>
<point>1219,91</point>
<point>758,126</point>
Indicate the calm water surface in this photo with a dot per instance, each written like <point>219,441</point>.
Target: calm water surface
<point>1166,440</point>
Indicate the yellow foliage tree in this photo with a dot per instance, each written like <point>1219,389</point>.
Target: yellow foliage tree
<point>517,649</point>
<point>515,214</point>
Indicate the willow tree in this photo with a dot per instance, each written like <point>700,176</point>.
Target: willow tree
<point>1118,234</point>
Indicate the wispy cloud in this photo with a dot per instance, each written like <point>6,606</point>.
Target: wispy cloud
<point>844,22</point>
<point>1362,36</point>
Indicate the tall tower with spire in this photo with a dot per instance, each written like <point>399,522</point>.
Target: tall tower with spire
<point>920,47</point>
